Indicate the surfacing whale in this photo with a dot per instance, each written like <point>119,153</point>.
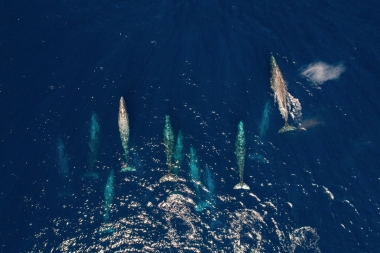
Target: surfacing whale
<point>240,156</point>
<point>124,134</point>
<point>279,88</point>
<point>169,146</point>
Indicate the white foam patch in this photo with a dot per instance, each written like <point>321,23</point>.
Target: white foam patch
<point>253,195</point>
<point>329,193</point>
<point>326,190</point>
<point>320,72</point>
<point>348,202</point>
<point>246,231</point>
<point>294,107</point>
<point>306,238</point>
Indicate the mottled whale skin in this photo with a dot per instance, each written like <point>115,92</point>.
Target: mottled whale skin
<point>240,156</point>
<point>279,88</point>
<point>123,122</point>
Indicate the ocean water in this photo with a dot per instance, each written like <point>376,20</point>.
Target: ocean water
<point>206,65</point>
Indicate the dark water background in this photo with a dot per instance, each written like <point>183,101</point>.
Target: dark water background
<point>206,64</point>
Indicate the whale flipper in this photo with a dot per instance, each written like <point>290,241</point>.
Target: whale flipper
<point>169,178</point>
<point>241,186</point>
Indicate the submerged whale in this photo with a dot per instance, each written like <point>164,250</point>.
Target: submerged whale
<point>169,146</point>
<point>279,88</point>
<point>94,139</point>
<point>240,156</point>
<point>93,144</point>
<point>210,187</point>
<point>63,169</point>
<point>124,134</point>
<point>108,196</point>
<point>178,153</point>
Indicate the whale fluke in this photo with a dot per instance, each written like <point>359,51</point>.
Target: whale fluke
<point>287,128</point>
<point>125,168</point>
<point>169,178</point>
<point>129,168</point>
<point>280,91</point>
<point>243,186</point>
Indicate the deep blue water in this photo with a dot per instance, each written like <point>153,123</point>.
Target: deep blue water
<point>206,65</point>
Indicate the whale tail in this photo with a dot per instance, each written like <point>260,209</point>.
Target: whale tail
<point>242,186</point>
<point>125,168</point>
<point>169,178</point>
<point>287,128</point>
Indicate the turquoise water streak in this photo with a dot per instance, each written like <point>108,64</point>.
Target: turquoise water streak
<point>195,178</point>
<point>264,122</point>
<point>94,139</point>
<point>93,145</point>
<point>194,171</point>
<point>210,182</point>
<point>108,196</point>
<point>178,153</point>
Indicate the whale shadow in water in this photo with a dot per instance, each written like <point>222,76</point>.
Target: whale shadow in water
<point>264,122</point>
<point>63,170</point>
<point>93,144</point>
<point>108,196</point>
<point>262,129</point>
<point>258,157</point>
<point>204,192</point>
<point>178,153</point>
<point>135,160</point>
<point>206,198</point>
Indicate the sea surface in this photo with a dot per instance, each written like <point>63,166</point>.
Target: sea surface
<point>64,65</point>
